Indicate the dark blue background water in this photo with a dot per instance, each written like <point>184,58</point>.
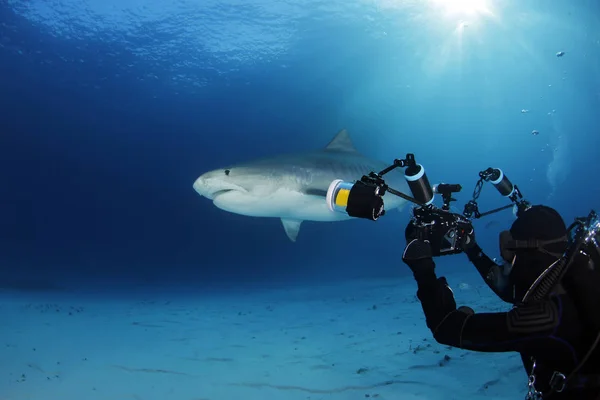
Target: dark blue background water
<point>109,112</point>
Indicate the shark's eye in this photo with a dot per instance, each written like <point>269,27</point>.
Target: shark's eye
<point>227,172</point>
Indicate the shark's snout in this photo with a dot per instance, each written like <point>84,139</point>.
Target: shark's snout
<point>200,187</point>
<point>211,185</point>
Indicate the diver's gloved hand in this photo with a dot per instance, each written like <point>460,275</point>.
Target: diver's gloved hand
<point>469,240</point>
<point>469,243</point>
<point>411,232</point>
<point>418,256</point>
<point>416,250</point>
<point>417,247</point>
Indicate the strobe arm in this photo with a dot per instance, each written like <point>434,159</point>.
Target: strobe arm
<point>409,161</point>
<point>505,188</point>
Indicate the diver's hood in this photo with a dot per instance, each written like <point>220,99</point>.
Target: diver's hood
<point>535,241</point>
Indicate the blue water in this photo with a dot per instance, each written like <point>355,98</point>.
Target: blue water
<point>109,110</point>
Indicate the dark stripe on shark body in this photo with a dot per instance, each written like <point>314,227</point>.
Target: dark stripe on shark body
<point>316,192</point>
<point>357,170</point>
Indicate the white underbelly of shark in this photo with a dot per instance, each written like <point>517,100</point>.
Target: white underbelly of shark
<point>282,203</point>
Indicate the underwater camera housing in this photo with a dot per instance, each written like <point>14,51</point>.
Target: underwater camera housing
<point>445,230</point>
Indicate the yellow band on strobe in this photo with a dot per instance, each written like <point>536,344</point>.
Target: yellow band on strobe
<point>341,200</point>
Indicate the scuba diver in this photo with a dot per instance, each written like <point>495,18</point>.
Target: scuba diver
<point>550,275</point>
<point>555,335</point>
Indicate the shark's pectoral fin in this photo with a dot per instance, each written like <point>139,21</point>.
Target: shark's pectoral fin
<point>292,227</point>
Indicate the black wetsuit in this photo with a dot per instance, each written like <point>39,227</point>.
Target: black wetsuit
<point>551,332</point>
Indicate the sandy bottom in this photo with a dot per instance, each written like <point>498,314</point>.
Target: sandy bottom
<point>354,340</point>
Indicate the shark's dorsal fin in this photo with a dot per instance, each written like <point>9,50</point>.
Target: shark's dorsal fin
<point>292,227</point>
<point>341,142</point>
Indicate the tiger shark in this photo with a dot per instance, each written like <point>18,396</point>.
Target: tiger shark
<point>293,187</point>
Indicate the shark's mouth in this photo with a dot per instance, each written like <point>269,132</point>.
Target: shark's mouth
<point>212,188</point>
<point>224,190</point>
<point>216,194</point>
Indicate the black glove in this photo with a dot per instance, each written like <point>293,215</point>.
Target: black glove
<point>416,249</point>
<point>469,242</point>
<point>418,256</point>
<point>469,245</point>
<point>411,232</point>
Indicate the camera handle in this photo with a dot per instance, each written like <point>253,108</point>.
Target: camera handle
<point>377,178</point>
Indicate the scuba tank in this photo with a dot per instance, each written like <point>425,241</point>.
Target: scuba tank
<point>578,271</point>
